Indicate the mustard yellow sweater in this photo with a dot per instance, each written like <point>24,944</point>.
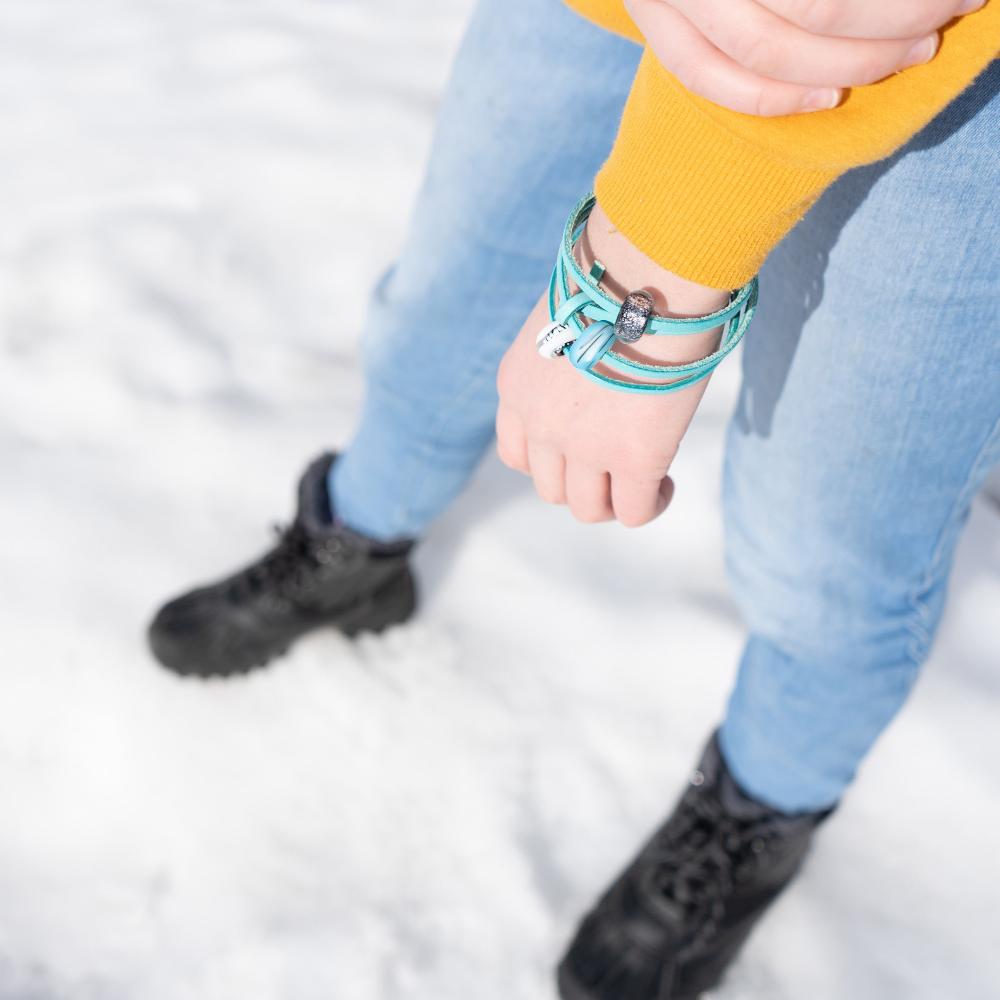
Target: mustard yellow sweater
<point>707,192</point>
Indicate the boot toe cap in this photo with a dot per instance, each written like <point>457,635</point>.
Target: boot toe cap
<point>616,955</point>
<point>184,636</point>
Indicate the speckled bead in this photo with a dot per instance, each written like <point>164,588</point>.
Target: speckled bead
<point>633,317</point>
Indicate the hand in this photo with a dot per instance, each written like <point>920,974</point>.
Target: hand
<point>781,57</point>
<point>605,454</point>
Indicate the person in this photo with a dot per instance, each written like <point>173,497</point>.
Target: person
<point>868,417</point>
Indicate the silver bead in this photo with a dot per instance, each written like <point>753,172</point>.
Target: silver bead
<point>553,339</point>
<point>633,316</point>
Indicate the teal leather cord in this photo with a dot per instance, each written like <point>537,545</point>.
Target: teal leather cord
<point>596,305</point>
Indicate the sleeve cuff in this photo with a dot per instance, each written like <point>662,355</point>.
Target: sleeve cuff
<point>699,200</point>
<point>707,193</point>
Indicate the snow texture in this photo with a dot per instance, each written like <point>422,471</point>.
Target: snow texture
<point>194,198</point>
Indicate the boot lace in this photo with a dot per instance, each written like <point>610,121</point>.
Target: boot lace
<point>701,857</point>
<point>292,568</point>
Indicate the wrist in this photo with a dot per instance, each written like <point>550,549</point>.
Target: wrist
<point>628,269</point>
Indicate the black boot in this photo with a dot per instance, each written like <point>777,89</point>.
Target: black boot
<point>674,920</point>
<point>319,573</point>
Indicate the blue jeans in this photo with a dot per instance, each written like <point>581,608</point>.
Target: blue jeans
<point>870,409</point>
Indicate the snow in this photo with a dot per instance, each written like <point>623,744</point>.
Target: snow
<point>190,192</point>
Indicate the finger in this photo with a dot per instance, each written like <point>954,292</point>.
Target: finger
<point>548,470</point>
<point>769,45</point>
<point>512,445</point>
<point>588,493</point>
<point>636,503</point>
<point>865,19</point>
<point>703,69</point>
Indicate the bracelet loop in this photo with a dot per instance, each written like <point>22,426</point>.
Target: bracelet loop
<point>588,344</point>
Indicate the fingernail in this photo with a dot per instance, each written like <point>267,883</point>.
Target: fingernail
<point>821,100</point>
<point>970,5</point>
<point>922,52</point>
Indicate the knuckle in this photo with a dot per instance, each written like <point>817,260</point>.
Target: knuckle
<point>769,102</point>
<point>643,466</point>
<point>633,479</point>
<point>641,11</point>
<point>818,16</point>
<point>923,18</point>
<point>636,463</point>
<point>867,71</point>
<point>826,17</point>
<point>693,76</point>
<point>756,52</point>
<point>872,63</point>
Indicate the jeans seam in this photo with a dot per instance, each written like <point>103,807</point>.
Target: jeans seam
<point>918,622</point>
<point>404,510</point>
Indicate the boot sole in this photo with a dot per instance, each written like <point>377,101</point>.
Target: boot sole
<point>691,982</point>
<point>570,989</point>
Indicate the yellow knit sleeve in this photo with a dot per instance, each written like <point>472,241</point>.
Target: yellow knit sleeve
<point>707,192</point>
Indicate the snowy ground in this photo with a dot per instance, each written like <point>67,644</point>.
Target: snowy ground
<point>422,815</point>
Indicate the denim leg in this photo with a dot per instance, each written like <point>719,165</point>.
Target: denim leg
<point>869,416</point>
<point>529,115</point>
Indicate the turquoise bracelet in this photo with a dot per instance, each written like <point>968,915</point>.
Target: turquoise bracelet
<point>588,344</point>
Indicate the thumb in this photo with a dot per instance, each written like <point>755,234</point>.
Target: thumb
<point>666,494</point>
